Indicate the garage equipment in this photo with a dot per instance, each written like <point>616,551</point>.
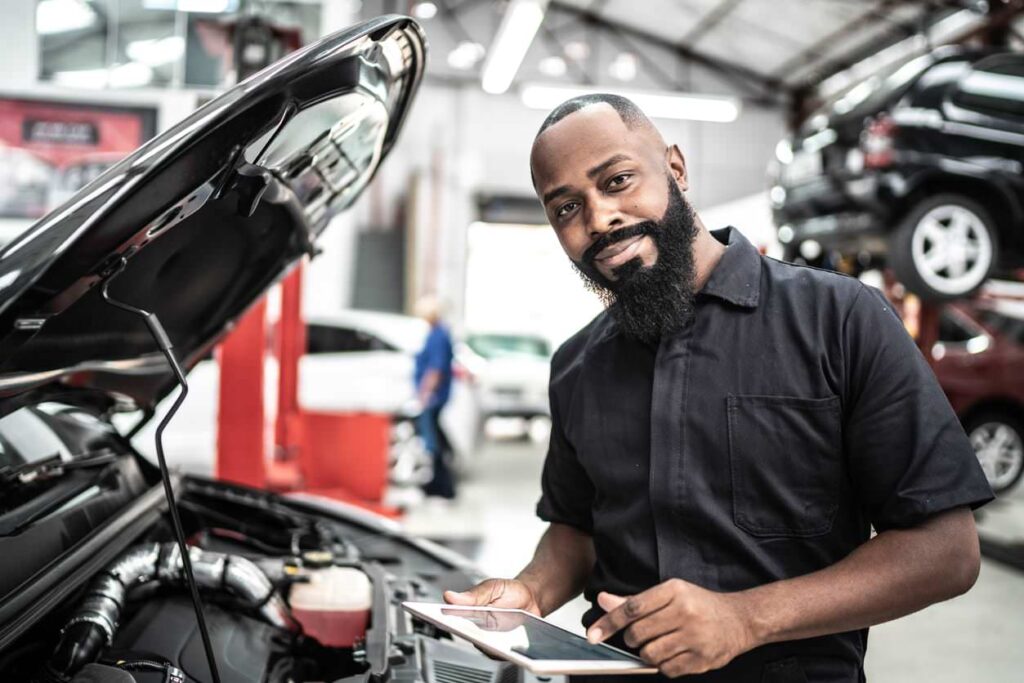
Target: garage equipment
<point>343,456</point>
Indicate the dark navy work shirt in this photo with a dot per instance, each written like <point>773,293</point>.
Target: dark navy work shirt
<point>436,354</point>
<point>761,442</point>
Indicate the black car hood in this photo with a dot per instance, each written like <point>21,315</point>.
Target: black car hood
<point>207,216</point>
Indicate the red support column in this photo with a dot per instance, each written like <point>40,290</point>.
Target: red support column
<point>292,345</point>
<point>240,420</point>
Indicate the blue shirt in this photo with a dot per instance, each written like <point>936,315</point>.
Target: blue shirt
<point>436,355</point>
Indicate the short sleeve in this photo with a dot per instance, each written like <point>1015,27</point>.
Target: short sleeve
<point>908,454</point>
<point>438,354</point>
<point>567,494</point>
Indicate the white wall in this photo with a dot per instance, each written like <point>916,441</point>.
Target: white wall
<point>460,141</point>
<point>457,142</point>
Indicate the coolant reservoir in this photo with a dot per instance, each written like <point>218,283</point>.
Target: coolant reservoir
<point>334,606</point>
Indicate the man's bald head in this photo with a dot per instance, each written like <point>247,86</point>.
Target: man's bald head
<point>589,117</point>
<point>630,114</point>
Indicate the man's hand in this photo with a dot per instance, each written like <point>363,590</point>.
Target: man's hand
<point>679,627</point>
<point>510,593</point>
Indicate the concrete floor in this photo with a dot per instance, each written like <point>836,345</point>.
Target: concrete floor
<point>976,637</point>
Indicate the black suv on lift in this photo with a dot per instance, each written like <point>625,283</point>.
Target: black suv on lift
<point>923,166</point>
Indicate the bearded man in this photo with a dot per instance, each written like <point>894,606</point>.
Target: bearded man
<point>727,434</point>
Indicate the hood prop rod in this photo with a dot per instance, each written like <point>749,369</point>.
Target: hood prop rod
<point>166,347</point>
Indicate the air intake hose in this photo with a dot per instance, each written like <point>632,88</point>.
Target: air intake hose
<point>96,620</point>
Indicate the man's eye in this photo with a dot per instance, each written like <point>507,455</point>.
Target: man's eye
<point>619,180</point>
<point>565,209</point>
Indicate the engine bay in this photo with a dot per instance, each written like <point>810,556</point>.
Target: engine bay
<point>290,594</point>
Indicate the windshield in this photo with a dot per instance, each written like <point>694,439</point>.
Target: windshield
<point>1010,327</point>
<point>26,439</point>
<point>872,91</point>
<point>39,444</point>
<point>499,345</point>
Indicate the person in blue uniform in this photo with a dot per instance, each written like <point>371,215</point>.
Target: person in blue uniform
<point>727,434</point>
<point>433,377</point>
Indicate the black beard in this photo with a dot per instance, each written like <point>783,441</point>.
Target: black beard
<point>649,302</point>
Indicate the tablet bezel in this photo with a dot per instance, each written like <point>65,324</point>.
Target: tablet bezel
<point>431,612</point>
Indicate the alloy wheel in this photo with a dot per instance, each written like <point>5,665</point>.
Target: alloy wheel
<point>1000,451</point>
<point>952,249</point>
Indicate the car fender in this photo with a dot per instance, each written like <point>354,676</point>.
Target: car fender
<point>951,177</point>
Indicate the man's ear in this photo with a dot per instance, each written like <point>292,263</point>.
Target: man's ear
<point>677,166</point>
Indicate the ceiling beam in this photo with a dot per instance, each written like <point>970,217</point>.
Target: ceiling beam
<point>557,48</point>
<point>815,51</point>
<point>999,15</point>
<point>709,21</point>
<point>759,87</point>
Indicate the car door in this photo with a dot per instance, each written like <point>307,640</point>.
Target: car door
<point>986,105</point>
<point>963,359</point>
<point>346,368</point>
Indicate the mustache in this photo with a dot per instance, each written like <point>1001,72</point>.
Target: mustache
<point>615,236</point>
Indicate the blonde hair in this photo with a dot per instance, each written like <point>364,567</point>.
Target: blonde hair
<point>429,308</point>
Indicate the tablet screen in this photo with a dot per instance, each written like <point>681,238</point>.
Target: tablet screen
<point>533,637</point>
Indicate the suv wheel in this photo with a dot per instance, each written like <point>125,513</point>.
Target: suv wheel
<point>945,247</point>
<point>998,440</point>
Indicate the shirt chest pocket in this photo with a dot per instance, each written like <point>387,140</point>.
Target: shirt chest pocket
<point>785,458</point>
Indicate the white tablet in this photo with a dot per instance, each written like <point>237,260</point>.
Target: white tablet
<point>529,641</point>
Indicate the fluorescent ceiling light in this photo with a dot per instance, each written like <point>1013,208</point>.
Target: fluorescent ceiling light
<point>198,6</point>
<point>662,105</point>
<point>424,10</point>
<point>553,66</point>
<point>156,52</point>
<point>466,55</point>
<point>577,50</point>
<point>516,32</point>
<point>60,16</point>
<point>623,67</point>
<point>130,75</point>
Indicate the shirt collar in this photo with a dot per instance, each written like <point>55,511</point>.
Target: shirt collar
<point>737,276</point>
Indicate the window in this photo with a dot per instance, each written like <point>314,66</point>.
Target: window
<point>954,329</point>
<point>995,86</point>
<point>1003,325</point>
<point>331,339</point>
<point>495,345</point>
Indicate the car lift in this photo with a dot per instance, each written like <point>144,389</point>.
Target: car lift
<point>343,456</point>
<point>922,321</point>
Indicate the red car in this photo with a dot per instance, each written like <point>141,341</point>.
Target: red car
<point>979,360</point>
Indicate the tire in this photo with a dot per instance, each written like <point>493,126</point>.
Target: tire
<point>791,252</point>
<point>945,247</point>
<point>998,440</point>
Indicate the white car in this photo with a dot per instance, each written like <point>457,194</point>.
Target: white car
<point>513,379</point>
<point>355,361</point>
<point>364,360</point>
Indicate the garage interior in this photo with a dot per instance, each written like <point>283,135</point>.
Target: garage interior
<point>790,115</point>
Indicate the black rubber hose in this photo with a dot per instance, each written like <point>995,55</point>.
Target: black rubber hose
<point>78,646</point>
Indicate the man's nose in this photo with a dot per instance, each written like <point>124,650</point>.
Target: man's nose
<point>605,216</point>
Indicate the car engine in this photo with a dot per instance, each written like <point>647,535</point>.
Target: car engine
<point>289,595</point>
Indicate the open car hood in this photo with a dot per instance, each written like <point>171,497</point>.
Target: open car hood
<point>204,219</point>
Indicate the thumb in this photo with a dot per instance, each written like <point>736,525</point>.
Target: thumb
<point>457,598</point>
<point>609,601</point>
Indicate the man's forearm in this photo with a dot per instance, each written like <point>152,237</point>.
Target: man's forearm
<point>428,384</point>
<point>895,573</point>
<point>560,566</point>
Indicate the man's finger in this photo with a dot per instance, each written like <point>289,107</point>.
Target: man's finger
<point>683,663</point>
<point>633,608</point>
<point>642,631</point>
<point>661,650</point>
<point>609,601</point>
